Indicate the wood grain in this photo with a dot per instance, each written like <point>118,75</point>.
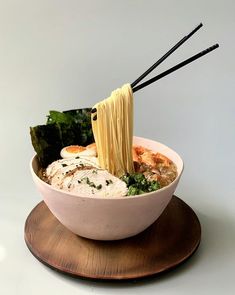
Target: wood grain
<point>173,238</point>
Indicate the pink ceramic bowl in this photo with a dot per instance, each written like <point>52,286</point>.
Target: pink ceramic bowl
<point>105,218</point>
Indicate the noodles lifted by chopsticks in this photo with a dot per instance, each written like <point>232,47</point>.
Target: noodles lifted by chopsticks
<point>113,131</point>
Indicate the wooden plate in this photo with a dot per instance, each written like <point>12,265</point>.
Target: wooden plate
<point>172,239</point>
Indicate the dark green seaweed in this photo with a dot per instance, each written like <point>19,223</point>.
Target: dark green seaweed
<point>71,127</point>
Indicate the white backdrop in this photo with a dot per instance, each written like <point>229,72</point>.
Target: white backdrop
<point>70,54</point>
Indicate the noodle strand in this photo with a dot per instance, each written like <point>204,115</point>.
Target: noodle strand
<point>113,131</point>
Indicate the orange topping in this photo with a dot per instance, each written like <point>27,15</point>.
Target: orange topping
<point>75,149</point>
<point>160,158</point>
<point>135,155</point>
<point>139,150</point>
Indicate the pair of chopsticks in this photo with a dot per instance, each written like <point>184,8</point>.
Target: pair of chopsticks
<point>171,70</point>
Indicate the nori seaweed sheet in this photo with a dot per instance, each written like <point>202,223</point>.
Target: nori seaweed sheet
<point>71,127</point>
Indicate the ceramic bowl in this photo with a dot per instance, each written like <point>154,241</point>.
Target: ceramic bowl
<point>102,218</point>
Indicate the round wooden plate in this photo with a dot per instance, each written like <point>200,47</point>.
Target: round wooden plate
<point>172,239</point>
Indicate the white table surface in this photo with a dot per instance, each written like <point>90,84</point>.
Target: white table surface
<point>66,54</point>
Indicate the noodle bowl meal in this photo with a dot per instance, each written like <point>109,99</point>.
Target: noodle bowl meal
<point>111,166</point>
<point>95,176</point>
<point>99,180</point>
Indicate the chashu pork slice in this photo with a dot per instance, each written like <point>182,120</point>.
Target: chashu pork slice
<point>83,177</point>
<point>57,170</point>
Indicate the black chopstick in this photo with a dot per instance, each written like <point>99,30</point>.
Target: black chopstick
<point>167,72</point>
<point>177,45</point>
<point>176,67</point>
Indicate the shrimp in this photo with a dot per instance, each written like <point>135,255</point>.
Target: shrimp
<point>154,166</point>
<point>139,149</point>
<point>135,155</point>
<point>160,158</point>
<point>143,156</point>
<point>148,158</point>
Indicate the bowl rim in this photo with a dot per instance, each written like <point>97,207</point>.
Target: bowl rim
<point>34,157</point>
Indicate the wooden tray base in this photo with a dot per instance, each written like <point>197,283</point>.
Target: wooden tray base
<point>172,239</point>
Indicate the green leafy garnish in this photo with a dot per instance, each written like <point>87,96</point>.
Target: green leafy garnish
<point>99,186</point>
<point>138,184</point>
<point>109,181</point>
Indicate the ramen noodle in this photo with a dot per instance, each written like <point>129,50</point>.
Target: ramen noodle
<point>113,131</point>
